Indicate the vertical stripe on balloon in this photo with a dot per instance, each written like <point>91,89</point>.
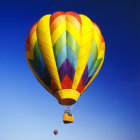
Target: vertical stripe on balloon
<point>94,60</point>
<point>65,32</point>
<point>46,48</point>
<point>85,48</point>
<point>35,59</point>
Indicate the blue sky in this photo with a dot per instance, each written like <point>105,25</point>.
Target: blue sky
<point>108,110</point>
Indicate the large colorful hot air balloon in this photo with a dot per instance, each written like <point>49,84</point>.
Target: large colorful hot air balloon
<point>65,51</point>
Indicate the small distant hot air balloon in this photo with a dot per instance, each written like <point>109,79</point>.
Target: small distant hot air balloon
<point>65,51</point>
<point>55,132</point>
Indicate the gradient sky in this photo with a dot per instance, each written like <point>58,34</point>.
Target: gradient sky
<point>108,110</point>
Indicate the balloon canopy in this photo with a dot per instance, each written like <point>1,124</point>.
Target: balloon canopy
<point>65,51</point>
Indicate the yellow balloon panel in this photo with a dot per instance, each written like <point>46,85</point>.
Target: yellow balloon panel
<point>85,48</point>
<point>43,29</point>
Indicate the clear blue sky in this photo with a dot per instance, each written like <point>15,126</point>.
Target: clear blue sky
<point>110,107</point>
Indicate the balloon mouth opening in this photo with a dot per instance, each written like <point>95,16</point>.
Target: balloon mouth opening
<point>67,101</point>
<point>67,96</point>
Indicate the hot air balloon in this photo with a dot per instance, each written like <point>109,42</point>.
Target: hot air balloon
<point>55,132</point>
<point>65,51</point>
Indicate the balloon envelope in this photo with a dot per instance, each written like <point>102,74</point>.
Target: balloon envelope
<point>65,51</point>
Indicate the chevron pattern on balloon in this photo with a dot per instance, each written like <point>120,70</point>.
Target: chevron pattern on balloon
<point>66,46</point>
<point>93,64</point>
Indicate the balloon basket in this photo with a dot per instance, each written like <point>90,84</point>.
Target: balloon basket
<point>67,118</point>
